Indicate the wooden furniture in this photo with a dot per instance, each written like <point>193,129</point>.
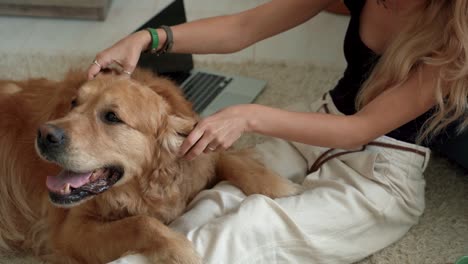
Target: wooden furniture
<point>78,9</point>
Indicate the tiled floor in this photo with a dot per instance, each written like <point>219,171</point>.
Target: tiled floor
<point>318,41</point>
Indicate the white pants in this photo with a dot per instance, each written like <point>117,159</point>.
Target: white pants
<point>354,205</point>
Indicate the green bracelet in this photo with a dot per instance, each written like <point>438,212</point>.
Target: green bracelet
<point>154,39</point>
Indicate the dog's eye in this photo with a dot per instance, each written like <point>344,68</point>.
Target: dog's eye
<point>111,117</point>
<point>74,103</point>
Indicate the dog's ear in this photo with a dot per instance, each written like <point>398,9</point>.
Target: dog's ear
<point>74,79</point>
<point>167,89</point>
<point>178,128</point>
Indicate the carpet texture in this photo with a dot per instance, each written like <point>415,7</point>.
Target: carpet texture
<point>442,233</point>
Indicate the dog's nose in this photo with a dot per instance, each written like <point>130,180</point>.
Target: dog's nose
<point>50,135</point>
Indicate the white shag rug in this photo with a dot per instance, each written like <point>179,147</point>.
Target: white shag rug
<point>441,236</point>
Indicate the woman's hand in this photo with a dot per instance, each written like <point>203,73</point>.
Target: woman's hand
<point>217,132</point>
<point>125,53</point>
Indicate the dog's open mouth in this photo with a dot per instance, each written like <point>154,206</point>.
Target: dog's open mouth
<point>71,187</point>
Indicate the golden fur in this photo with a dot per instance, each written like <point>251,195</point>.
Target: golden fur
<point>156,185</point>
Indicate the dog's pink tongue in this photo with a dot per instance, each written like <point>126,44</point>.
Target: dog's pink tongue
<point>57,183</point>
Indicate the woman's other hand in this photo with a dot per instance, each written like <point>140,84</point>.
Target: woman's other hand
<point>125,53</point>
<point>217,132</point>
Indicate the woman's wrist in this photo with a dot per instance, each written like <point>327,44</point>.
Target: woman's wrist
<point>259,118</point>
<point>250,114</point>
<point>144,39</point>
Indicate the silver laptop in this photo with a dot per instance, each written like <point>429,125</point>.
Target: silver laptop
<point>210,91</point>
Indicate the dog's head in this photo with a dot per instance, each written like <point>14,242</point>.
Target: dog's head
<point>114,127</point>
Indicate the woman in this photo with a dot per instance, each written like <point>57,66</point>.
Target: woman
<point>360,151</point>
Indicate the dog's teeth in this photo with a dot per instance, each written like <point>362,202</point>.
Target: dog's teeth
<point>93,177</point>
<point>66,189</point>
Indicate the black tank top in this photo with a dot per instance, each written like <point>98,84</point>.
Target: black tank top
<point>360,62</point>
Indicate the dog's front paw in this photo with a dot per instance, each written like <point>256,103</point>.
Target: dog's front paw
<point>284,189</point>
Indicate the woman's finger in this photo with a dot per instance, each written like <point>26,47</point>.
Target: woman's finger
<point>211,148</point>
<point>200,146</point>
<point>207,137</point>
<point>190,141</point>
<point>93,70</point>
<point>99,63</point>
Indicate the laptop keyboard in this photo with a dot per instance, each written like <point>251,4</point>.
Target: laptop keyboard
<point>202,88</point>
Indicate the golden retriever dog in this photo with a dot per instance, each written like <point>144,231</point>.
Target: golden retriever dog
<point>89,170</point>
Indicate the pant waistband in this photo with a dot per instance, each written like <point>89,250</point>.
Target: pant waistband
<point>383,142</point>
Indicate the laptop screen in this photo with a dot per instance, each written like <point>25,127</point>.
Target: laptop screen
<point>175,66</point>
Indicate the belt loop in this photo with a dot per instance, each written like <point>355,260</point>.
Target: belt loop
<point>324,96</point>
<point>427,157</point>
<point>325,103</point>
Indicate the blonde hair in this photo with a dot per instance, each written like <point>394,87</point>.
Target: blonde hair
<point>437,36</point>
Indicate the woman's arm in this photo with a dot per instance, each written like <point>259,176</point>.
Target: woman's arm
<point>390,110</point>
<point>222,34</point>
<point>230,33</point>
